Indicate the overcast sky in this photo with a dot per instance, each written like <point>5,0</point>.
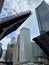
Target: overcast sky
<point>19,6</point>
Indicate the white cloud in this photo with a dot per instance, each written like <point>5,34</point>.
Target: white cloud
<point>47,1</point>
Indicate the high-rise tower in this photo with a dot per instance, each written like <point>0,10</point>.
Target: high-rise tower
<point>25,45</point>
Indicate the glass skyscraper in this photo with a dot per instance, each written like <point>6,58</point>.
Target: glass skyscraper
<point>36,51</point>
<point>0,50</point>
<point>25,45</point>
<point>42,13</point>
<point>1,4</point>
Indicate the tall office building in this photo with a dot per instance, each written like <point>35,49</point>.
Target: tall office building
<point>0,50</point>
<point>16,51</point>
<point>1,4</point>
<point>9,52</point>
<point>25,45</point>
<point>0,46</point>
<point>12,40</point>
<point>3,54</point>
<point>42,13</point>
<point>36,51</point>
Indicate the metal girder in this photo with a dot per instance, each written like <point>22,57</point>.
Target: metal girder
<point>43,42</point>
<point>10,24</point>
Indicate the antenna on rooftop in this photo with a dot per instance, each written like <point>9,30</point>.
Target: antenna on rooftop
<point>15,11</point>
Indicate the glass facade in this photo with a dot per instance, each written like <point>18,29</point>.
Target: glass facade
<point>36,51</point>
<point>1,4</point>
<point>42,12</point>
<point>0,50</point>
<point>25,45</point>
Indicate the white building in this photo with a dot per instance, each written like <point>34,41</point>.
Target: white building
<point>25,45</point>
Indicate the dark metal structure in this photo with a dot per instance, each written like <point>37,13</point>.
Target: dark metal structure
<point>1,4</point>
<point>10,24</point>
<point>43,42</point>
<point>6,63</point>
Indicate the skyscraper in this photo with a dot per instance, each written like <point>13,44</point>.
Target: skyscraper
<point>16,51</point>
<point>0,46</point>
<point>1,4</point>
<point>9,52</point>
<point>0,50</point>
<point>3,54</point>
<point>13,40</point>
<point>36,51</point>
<point>42,13</point>
<point>25,45</point>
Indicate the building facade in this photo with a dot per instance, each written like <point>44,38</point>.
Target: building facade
<point>0,50</point>
<point>42,13</point>
<point>3,54</point>
<point>1,4</point>
<point>12,40</point>
<point>25,45</point>
<point>16,51</point>
<point>9,52</point>
<point>36,51</point>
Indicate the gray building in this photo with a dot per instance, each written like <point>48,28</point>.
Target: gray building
<point>1,4</point>
<point>25,45</point>
<point>36,51</point>
<point>42,13</point>
<point>16,51</point>
<point>3,54</point>
<point>9,52</point>
<point>0,50</point>
<point>12,40</point>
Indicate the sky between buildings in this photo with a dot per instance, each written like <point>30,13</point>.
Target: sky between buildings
<point>20,6</point>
